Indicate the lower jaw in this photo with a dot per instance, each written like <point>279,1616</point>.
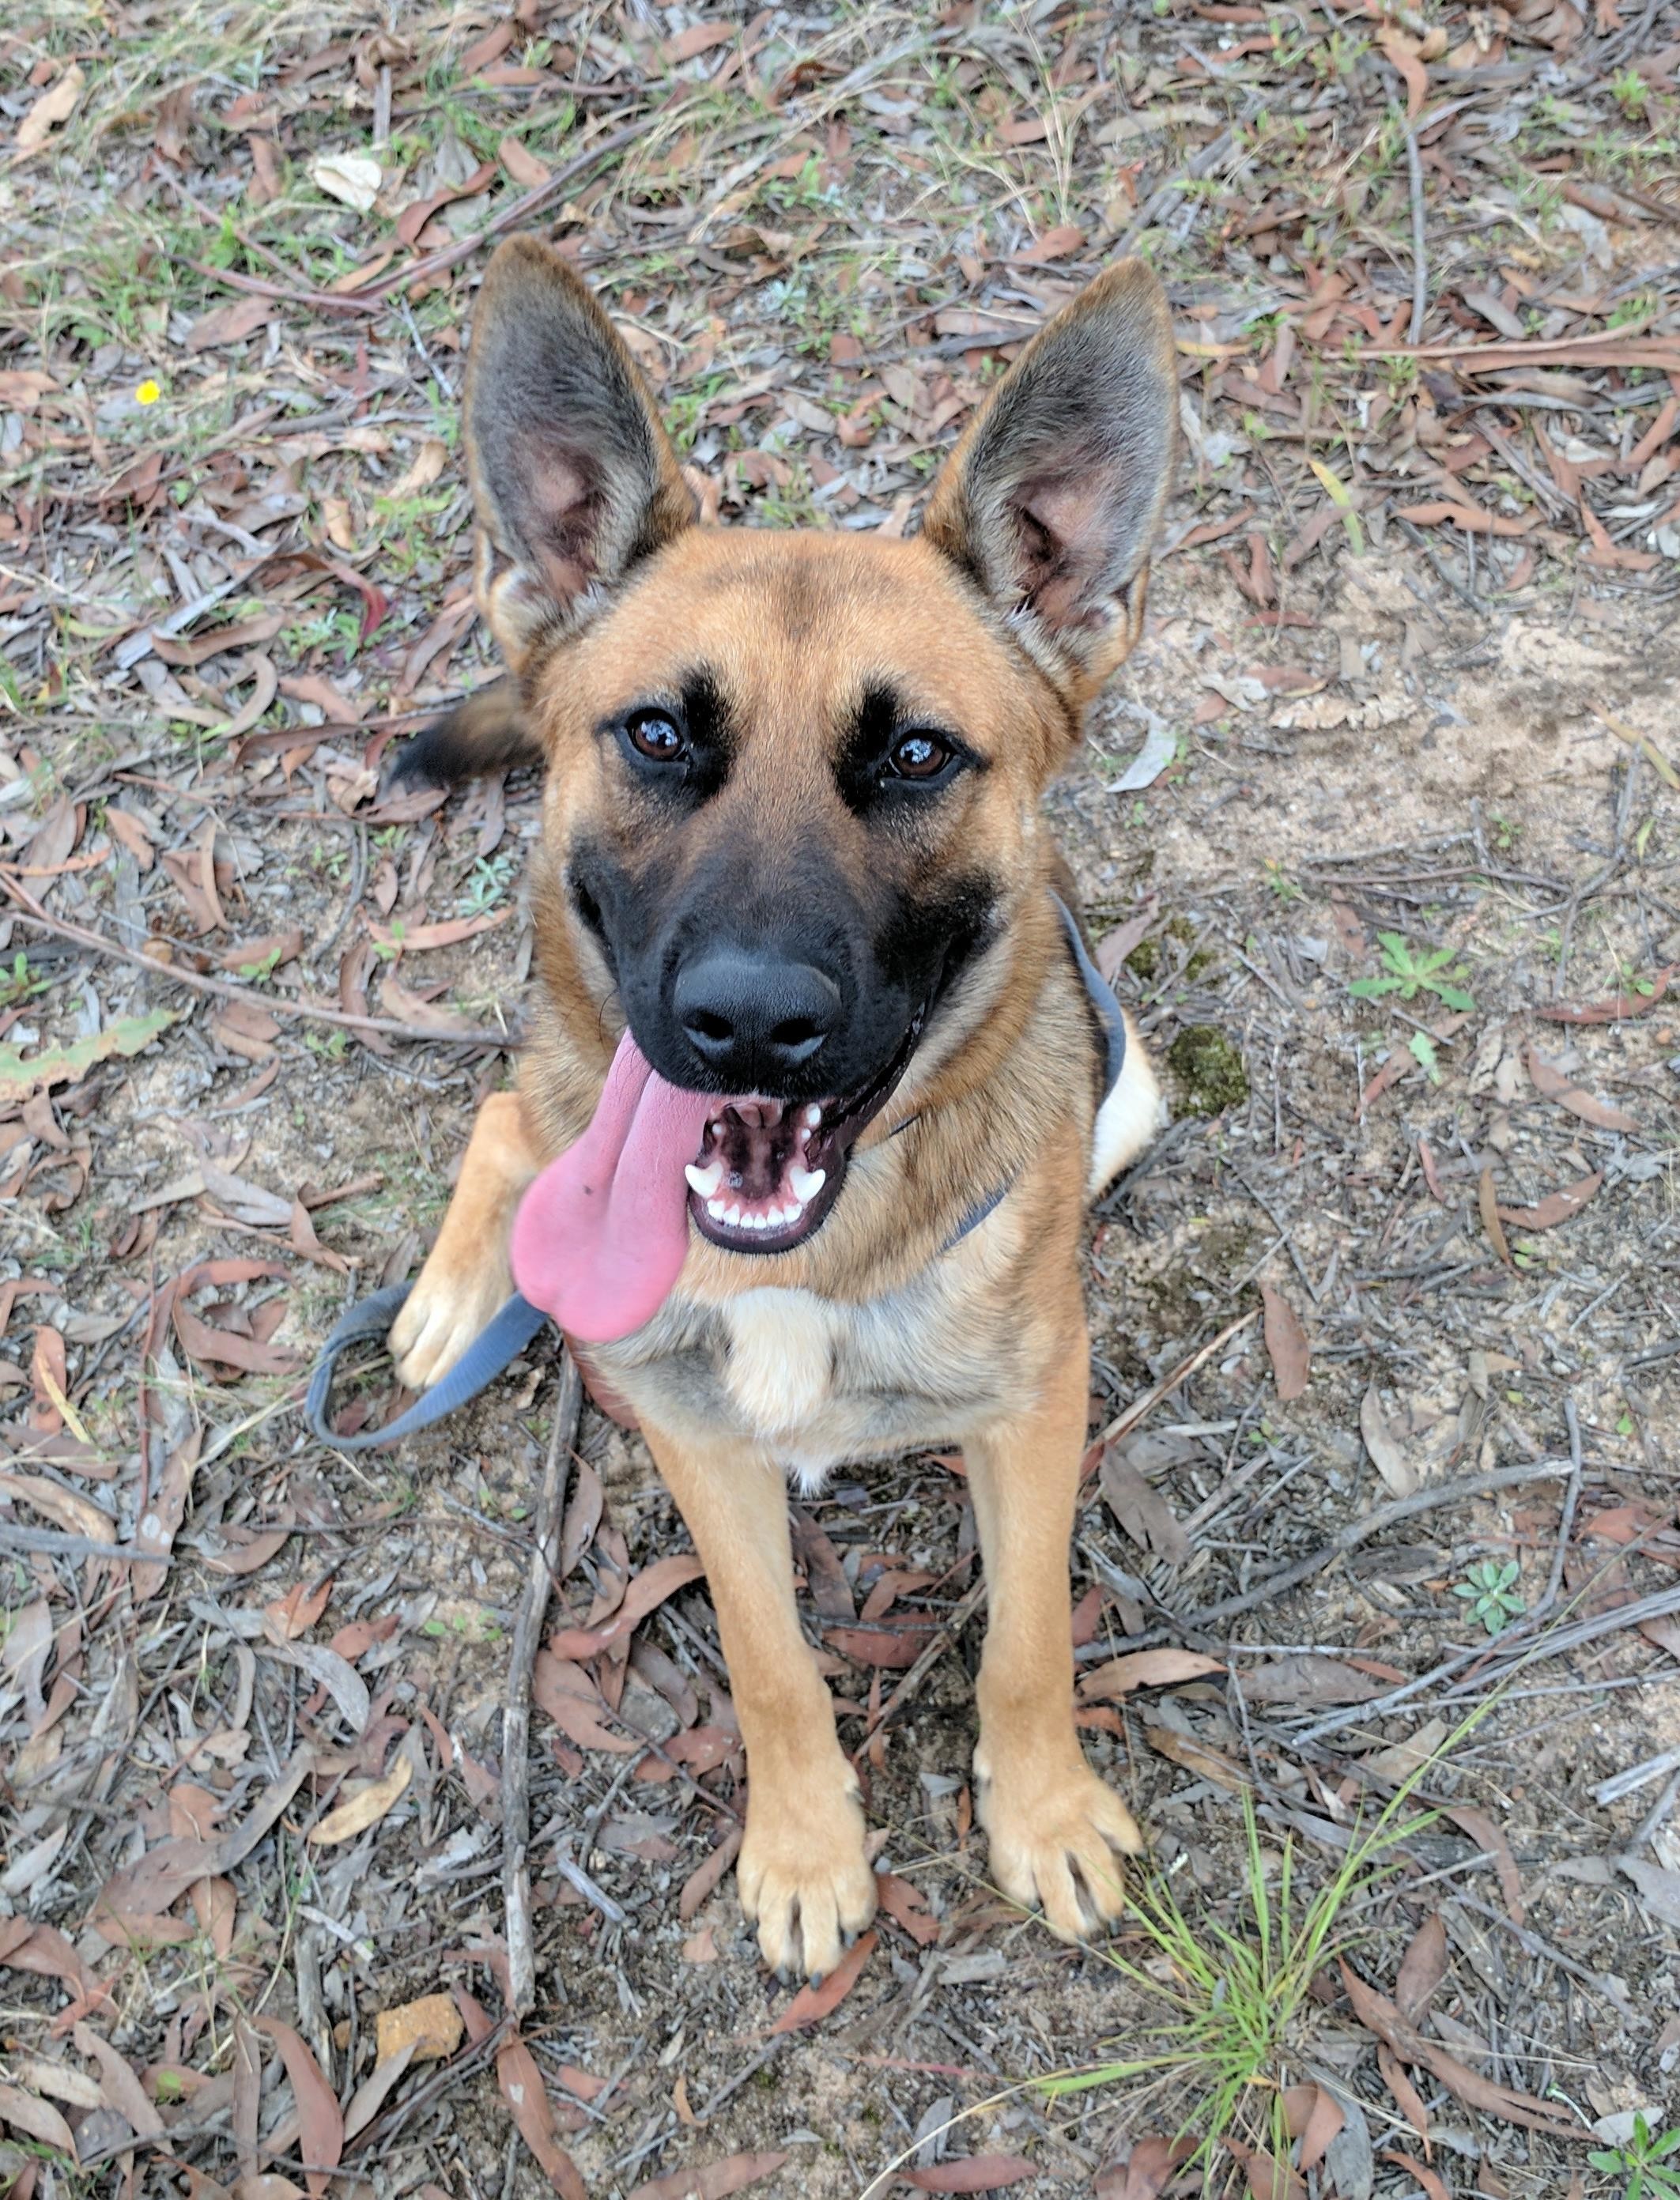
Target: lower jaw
<point>738,1238</point>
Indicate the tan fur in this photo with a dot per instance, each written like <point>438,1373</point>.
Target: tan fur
<point>871,1337</point>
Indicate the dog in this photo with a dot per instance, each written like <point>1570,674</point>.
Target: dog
<point>818,1080</point>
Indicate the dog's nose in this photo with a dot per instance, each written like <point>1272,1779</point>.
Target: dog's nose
<point>752,1017</point>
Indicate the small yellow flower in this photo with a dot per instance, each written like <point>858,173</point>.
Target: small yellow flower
<point>148,393</point>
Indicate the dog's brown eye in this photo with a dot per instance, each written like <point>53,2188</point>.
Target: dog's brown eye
<point>919,755</point>
<point>655,736</point>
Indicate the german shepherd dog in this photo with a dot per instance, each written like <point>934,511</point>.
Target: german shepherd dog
<point>813,1098</point>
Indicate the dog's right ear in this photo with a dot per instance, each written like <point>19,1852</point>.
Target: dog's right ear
<point>574,478</point>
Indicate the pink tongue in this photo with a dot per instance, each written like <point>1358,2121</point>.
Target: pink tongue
<point>602,1236</point>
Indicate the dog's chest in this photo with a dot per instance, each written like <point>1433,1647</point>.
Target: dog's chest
<point>816,1381</point>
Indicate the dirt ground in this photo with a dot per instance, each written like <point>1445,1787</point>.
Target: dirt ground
<point>1398,1292</point>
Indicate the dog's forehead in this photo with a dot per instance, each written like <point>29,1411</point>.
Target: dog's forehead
<point>809,622</point>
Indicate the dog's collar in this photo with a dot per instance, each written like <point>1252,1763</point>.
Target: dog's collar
<point>518,1321</point>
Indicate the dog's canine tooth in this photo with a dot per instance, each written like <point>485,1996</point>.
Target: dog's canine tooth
<point>806,1183</point>
<point>705,1181</point>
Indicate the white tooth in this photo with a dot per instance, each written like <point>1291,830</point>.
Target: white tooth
<point>706,1180</point>
<point>733,1218</point>
<point>717,1130</point>
<point>790,1215</point>
<point>714,1208</point>
<point>813,1116</point>
<point>753,1221</point>
<point>806,1183</point>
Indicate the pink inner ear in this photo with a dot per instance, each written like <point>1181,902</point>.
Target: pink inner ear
<point>1062,568</point>
<point>564,503</point>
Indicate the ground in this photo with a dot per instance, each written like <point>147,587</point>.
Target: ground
<point>1377,832</point>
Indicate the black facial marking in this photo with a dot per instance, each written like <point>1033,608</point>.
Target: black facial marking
<point>869,769</point>
<point>696,766</point>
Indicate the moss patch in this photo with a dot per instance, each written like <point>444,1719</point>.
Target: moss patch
<point>1208,1068</point>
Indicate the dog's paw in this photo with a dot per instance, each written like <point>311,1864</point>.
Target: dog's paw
<point>1057,1844</point>
<point>804,1876</point>
<point>441,1316</point>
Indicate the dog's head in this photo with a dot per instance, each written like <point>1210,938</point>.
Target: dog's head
<point>794,777</point>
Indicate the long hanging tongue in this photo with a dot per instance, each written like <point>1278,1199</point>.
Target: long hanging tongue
<point>602,1236</point>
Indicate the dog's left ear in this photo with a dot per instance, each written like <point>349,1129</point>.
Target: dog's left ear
<point>1051,499</point>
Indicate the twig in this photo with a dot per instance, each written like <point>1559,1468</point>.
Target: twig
<point>516,1717</point>
<point>1361,1532</point>
<point>510,217</point>
<point>15,1536</point>
<point>224,988</point>
<point>1566,1527</point>
<point>1124,1423</point>
<point>342,301</point>
<point>1419,259</point>
<point>943,1639</point>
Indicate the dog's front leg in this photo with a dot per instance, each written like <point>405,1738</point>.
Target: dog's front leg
<point>468,1275</point>
<point>1054,1827</point>
<point>802,1874</point>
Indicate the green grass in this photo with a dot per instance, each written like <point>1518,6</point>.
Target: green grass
<point>1232,2002</point>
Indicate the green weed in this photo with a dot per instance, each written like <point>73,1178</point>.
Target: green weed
<point>1410,971</point>
<point>1489,1591</point>
<point>1640,2161</point>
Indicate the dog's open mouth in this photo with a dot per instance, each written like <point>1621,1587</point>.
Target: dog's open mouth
<point>769,1171</point>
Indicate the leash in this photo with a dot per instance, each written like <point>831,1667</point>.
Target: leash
<point>512,1329</point>
<point>501,1340</point>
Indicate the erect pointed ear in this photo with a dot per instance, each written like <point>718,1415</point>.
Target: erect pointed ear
<point>1051,499</point>
<point>574,477</point>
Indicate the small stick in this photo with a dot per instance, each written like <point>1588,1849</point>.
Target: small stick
<point>277,1004</point>
<point>512,217</point>
<point>1124,1423</point>
<point>1420,262</point>
<point>516,1717</point>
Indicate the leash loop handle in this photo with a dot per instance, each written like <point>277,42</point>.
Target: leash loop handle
<point>501,1340</point>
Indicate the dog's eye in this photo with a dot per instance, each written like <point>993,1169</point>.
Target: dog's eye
<point>652,734</point>
<point>918,755</point>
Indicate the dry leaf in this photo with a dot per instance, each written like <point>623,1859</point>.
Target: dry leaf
<point>1401,1759</point>
<point>321,2127</point>
<point>715,2180</point>
<point>1380,2016</point>
<point>907,1906</point>
<point>36,2119</point>
<point>1144,1668</point>
<point>1147,1518</point>
<point>1551,1084</point>
<point>812,2004</point>
<point>352,178</point>
<point>1491,1842</point>
<point>1151,2167</point>
<point>1287,1345</point>
<point>56,105</point>
<point>366,1809</point>
<point>1386,1455</point>
<point>972,2173</point>
<point>527,2097</point>
<point>522,165</point>
<point>649,1588</point>
<point>1422,1968</point>
<point>1556,1207</point>
<point>1487,1202</point>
